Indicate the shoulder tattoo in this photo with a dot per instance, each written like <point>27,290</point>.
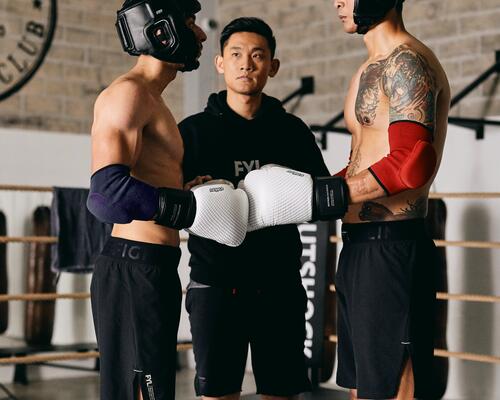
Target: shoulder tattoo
<point>410,85</point>
<point>407,79</point>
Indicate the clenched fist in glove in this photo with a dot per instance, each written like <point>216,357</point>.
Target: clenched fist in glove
<point>221,213</point>
<point>280,196</point>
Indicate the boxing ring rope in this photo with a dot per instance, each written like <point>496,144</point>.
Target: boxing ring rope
<point>46,358</point>
<point>433,195</point>
<point>470,244</point>
<point>29,239</point>
<point>465,195</point>
<point>26,188</point>
<point>44,296</point>
<point>475,298</point>
<point>48,296</point>
<point>471,298</point>
<point>83,355</point>
<point>451,354</point>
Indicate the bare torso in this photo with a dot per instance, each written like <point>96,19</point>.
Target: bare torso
<point>154,150</point>
<point>368,114</point>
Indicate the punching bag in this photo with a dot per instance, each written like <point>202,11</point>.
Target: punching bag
<point>436,227</point>
<point>39,316</point>
<point>4,306</point>
<point>317,272</point>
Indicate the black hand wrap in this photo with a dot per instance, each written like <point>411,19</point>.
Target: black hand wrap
<point>331,198</point>
<point>176,208</point>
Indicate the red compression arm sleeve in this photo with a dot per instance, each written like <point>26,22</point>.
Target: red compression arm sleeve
<point>411,161</point>
<point>342,173</point>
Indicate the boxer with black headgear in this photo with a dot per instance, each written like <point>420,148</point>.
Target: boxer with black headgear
<point>397,111</point>
<point>137,184</point>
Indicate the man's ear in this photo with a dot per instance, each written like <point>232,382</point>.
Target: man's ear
<point>275,66</point>
<point>219,64</point>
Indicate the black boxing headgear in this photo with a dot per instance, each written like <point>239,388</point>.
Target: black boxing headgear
<point>158,28</point>
<point>368,12</point>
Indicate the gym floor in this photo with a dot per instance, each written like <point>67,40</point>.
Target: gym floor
<point>87,388</point>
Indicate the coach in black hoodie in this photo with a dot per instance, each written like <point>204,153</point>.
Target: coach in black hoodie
<point>250,294</point>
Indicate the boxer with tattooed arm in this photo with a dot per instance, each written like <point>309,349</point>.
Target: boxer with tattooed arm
<point>396,110</point>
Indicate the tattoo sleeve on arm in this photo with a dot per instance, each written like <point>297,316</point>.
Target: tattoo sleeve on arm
<point>410,85</point>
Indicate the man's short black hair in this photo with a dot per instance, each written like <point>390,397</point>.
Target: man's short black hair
<point>248,24</point>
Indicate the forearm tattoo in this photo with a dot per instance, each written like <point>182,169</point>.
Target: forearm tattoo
<point>363,187</point>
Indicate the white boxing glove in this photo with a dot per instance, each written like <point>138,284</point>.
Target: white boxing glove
<point>221,213</point>
<point>278,196</point>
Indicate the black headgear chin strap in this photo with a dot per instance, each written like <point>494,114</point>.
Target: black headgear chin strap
<point>369,12</point>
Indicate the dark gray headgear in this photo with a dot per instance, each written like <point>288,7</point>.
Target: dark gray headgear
<point>158,28</point>
<point>368,12</point>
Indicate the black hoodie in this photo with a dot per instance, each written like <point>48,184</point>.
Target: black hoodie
<point>220,143</point>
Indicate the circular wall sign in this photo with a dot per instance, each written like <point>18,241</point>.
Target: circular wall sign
<point>26,32</point>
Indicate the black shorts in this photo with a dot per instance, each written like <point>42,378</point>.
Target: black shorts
<point>136,300</point>
<point>225,321</point>
<point>385,284</point>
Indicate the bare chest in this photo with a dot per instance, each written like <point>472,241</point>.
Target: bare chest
<point>162,134</point>
<point>162,148</point>
<point>367,105</point>
<point>367,116</point>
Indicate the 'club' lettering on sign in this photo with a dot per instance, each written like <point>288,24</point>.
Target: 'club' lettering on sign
<point>26,32</point>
